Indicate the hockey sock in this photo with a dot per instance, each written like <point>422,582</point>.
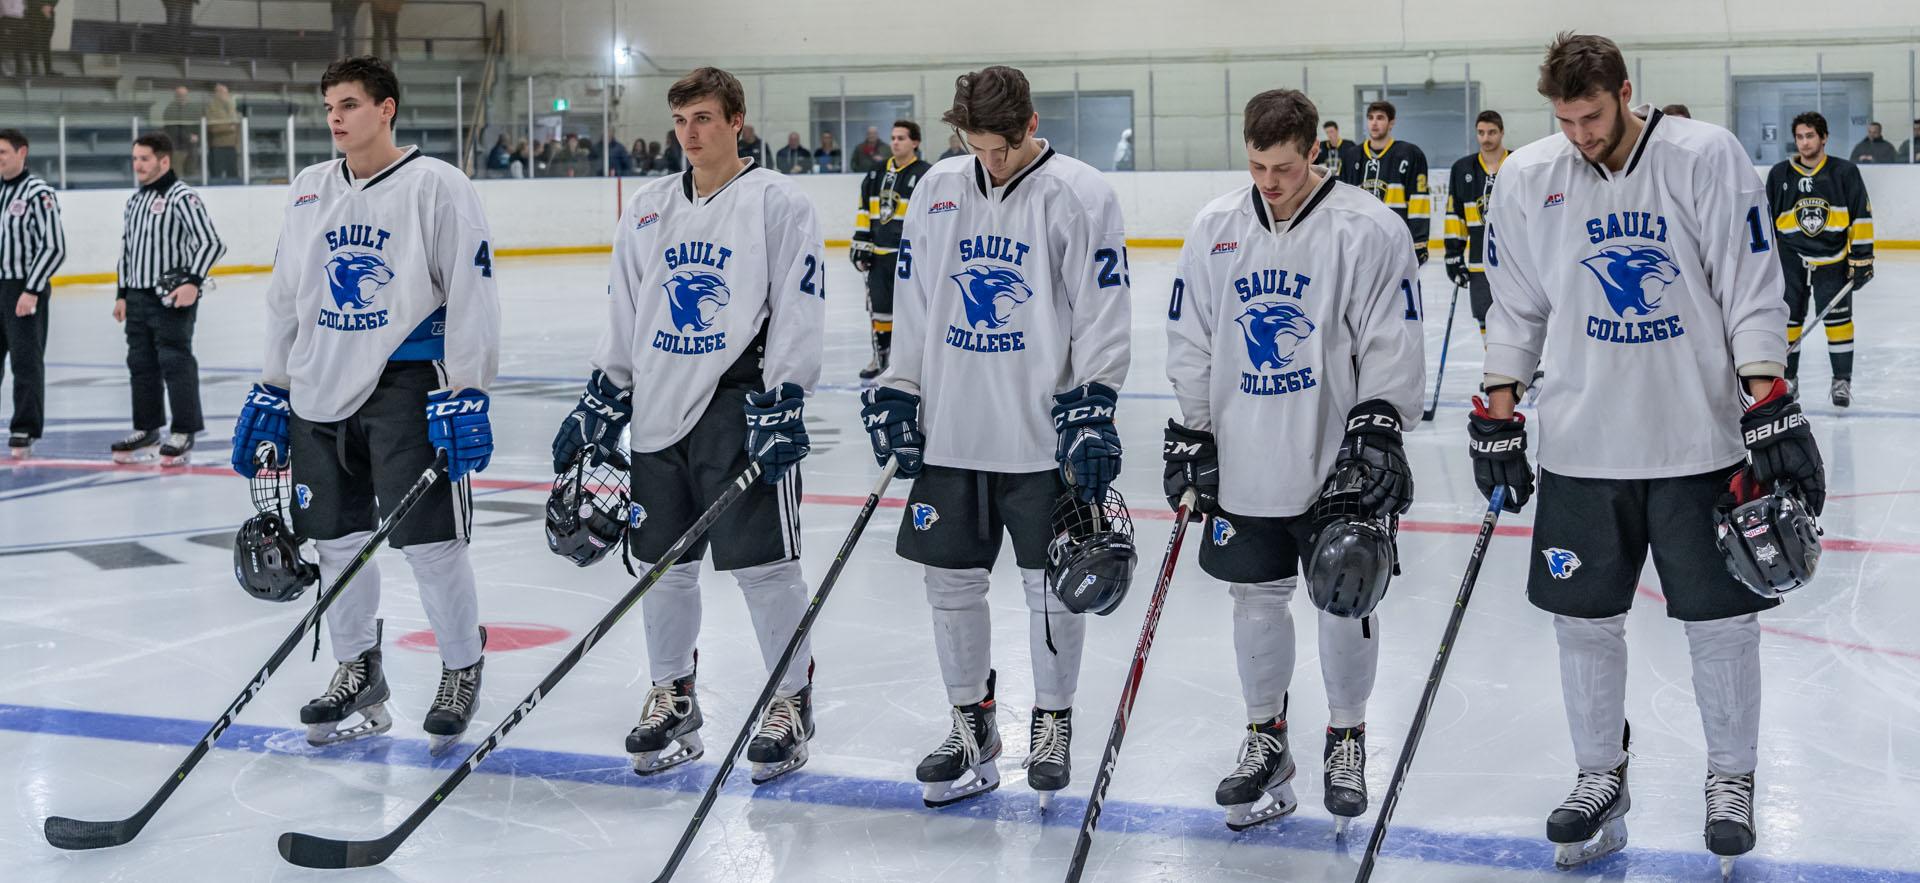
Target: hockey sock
<point>1726,686</point>
<point>776,599</point>
<point>1263,645</point>
<point>1593,684</point>
<point>671,614</point>
<point>350,621</point>
<point>444,573</point>
<point>1056,669</point>
<point>962,630</point>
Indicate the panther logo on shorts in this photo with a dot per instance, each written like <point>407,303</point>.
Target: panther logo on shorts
<point>302,495</point>
<point>924,516</point>
<point>636,515</point>
<point>1561,562</point>
<point>1222,531</point>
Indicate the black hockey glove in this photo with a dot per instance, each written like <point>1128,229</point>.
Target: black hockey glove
<point>1499,449</point>
<point>1860,272</point>
<point>862,255</point>
<point>1373,442</point>
<point>1457,270</point>
<point>1781,447</point>
<point>1088,449</point>
<point>1193,461</point>
<point>892,419</point>
<point>604,409</point>
<point>1420,253</point>
<point>776,436</point>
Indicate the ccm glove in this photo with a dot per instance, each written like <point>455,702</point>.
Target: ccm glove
<point>1373,442</point>
<point>1781,448</point>
<point>776,436</point>
<point>263,421</point>
<point>1089,446</point>
<point>1192,462</point>
<point>457,423</point>
<point>862,255</point>
<point>892,419</point>
<point>1499,449</point>
<point>1420,253</point>
<point>1457,270</point>
<point>603,411</point>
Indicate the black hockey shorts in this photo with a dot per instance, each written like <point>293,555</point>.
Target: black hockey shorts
<point>350,473</point>
<point>1479,297</point>
<point>672,487</point>
<point>880,287</point>
<point>1590,542</point>
<point>1252,548</point>
<point>955,517</point>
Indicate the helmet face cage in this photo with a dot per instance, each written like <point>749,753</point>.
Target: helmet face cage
<point>1771,543</point>
<point>1354,554</point>
<point>1090,561</point>
<point>587,508</point>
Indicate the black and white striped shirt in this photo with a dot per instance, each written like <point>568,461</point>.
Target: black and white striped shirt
<point>166,228</point>
<point>32,244</point>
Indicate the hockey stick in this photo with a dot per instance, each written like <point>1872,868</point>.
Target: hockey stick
<point>67,833</point>
<point>1839,297</point>
<point>1445,340</point>
<point>1433,684</point>
<point>779,671</point>
<point>309,851</point>
<point>1111,757</point>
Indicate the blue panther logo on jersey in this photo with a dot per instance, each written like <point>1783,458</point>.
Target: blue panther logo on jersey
<point>1625,270</point>
<point>924,516</point>
<point>1561,562</point>
<point>695,297</point>
<point>1222,531</point>
<point>636,516</point>
<point>302,495</point>
<point>354,277</point>
<point>991,294</point>
<point>1272,332</point>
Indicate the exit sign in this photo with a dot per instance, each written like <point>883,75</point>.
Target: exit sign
<point>559,104</point>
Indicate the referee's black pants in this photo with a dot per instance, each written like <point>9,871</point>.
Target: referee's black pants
<point>23,341</point>
<point>160,360</point>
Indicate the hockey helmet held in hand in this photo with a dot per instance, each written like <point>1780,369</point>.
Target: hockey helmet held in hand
<point>266,553</point>
<point>1770,539</point>
<point>1353,555</point>
<point>587,508</point>
<point>1090,561</point>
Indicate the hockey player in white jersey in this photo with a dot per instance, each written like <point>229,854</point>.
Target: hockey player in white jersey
<point>1636,247</point>
<point>1011,325</point>
<point>713,339</point>
<point>383,334</point>
<point>1294,326</point>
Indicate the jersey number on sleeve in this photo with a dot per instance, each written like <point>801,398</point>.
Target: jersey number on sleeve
<point>484,260</point>
<point>1113,267</point>
<point>906,259</point>
<point>1173,304</point>
<point>806,282</point>
<point>1761,241</point>
<point>1413,300</point>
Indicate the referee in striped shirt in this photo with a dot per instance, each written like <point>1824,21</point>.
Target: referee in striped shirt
<point>166,251</point>
<point>31,248</point>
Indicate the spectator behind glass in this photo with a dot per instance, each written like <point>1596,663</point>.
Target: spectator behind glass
<point>182,123</point>
<point>346,16</point>
<point>827,158</point>
<point>751,145</point>
<point>954,147</point>
<point>637,154</point>
<point>1908,150</point>
<point>869,154</point>
<point>499,159</point>
<point>38,36</point>
<point>518,161</point>
<point>13,36</point>
<point>223,136</point>
<point>795,158</point>
<point>671,158</point>
<point>656,164</point>
<point>386,26</point>
<point>619,161</point>
<point>1874,148</point>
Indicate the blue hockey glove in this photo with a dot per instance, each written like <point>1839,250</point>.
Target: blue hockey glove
<point>892,419</point>
<point>603,411</point>
<point>776,436</point>
<point>263,421</point>
<point>457,423</point>
<point>1089,445</point>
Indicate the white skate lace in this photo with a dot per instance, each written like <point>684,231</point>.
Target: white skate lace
<point>782,719</point>
<point>456,690</point>
<point>348,679</point>
<point>134,439</point>
<point>1592,792</point>
<point>1050,740</point>
<point>960,741</point>
<point>1345,769</point>
<point>1254,753</point>
<point>663,703</point>
<point>1730,798</point>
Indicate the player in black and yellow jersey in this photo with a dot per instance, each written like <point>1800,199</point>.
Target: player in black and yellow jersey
<point>1824,224</point>
<point>1468,187</point>
<point>1395,172</point>
<point>876,232</point>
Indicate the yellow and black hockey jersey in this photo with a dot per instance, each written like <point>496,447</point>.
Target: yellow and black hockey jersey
<point>1468,186</point>
<point>1821,214</point>
<point>883,203</point>
<point>1397,176</point>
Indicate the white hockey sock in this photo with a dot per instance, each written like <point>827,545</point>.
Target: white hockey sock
<point>1726,685</point>
<point>1349,657</point>
<point>1593,684</point>
<point>451,598</point>
<point>350,621</point>
<point>962,630</point>
<point>776,599</point>
<point>1263,644</point>
<point>671,613</point>
<point>1056,671</point>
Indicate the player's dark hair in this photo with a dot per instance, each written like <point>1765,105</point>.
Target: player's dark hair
<point>1383,106</point>
<point>14,137</point>
<point>1331,124</point>
<point>913,129</point>
<point>1280,116</point>
<point>158,142</point>
<point>710,82</point>
<point>1810,119</point>
<point>1579,65</point>
<point>1491,116</point>
<point>993,100</point>
<point>373,75</point>
<point>1677,110</point>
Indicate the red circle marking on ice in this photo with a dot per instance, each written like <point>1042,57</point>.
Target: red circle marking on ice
<point>501,636</point>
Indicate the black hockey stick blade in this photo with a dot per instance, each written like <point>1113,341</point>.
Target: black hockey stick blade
<point>309,851</point>
<point>67,833</point>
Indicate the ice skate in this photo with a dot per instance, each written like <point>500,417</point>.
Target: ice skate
<point>1345,776</point>
<point>358,687</point>
<point>1049,762</point>
<point>966,764</point>
<point>138,447</point>
<point>178,450</point>
<point>1729,818</point>
<point>1261,787</point>
<point>875,365</point>
<point>19,446</point>
<point>1592,822</point>
<point>453,703</point>
<point>779,746</point>
<point>1842,392</point>
<point>668,734</point>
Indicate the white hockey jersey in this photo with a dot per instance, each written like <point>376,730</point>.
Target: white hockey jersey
<point>1006,296</point>
<point>1276,329</point>
<point>1651,286</point>
<point>699,284</point>
<point>395,267</point>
